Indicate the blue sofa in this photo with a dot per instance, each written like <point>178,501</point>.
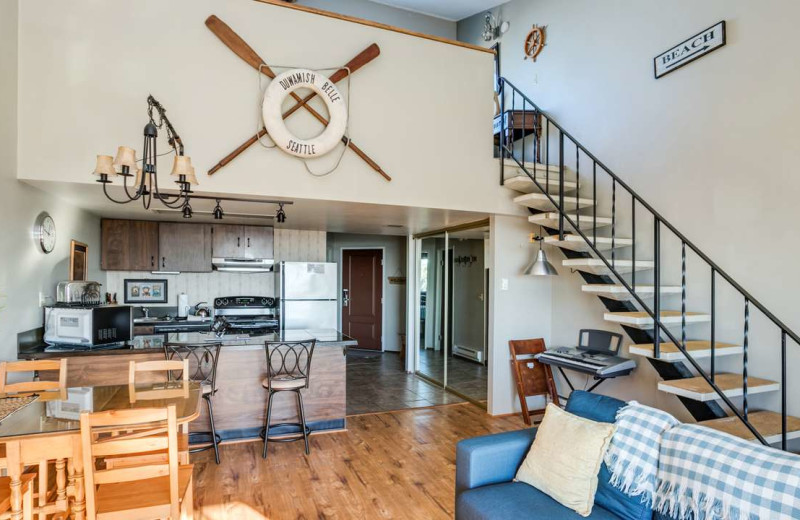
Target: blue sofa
<point>486,466</point>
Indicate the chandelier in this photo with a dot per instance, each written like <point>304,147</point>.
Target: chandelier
<point>145,179</point>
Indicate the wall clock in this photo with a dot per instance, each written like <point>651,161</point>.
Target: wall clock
<point>44,230</point>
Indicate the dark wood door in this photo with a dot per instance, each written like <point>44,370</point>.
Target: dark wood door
<point>185,247</point>
<point>258,242</point>
<point>128,245</point>
<point>228,241</point>
<point>362,296</point>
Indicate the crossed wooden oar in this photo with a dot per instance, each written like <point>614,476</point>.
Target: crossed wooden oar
<point>235,43</point>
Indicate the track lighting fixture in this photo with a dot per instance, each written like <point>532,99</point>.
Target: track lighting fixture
<point>217,212</point>
<point>280,216</point>
<point>187,211</point>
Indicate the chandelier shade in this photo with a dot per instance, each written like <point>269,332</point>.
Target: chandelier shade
<point>105,166</point>
<point>126,157</point>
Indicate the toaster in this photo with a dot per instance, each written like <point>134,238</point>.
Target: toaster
<point>78,293</point>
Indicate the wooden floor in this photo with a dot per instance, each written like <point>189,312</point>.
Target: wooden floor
<point>390,465</point>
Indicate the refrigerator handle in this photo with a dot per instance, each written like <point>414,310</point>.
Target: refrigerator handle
<point>345,297</point>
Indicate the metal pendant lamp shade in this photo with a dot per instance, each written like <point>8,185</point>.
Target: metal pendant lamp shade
<point>540,265</point>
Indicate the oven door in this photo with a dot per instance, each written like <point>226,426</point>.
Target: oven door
<point>68,326</point>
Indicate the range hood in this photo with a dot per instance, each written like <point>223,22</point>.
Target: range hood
<point>243,265</point>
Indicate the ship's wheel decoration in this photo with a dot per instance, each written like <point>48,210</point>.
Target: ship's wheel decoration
<point>535,42</point>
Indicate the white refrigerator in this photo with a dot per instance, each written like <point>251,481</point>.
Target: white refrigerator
<point>308,295</point>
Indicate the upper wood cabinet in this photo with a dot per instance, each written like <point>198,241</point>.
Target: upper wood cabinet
<point>233,241</point>
<point>259,242</point>
<point>128,245</point>
<point>184,247</point>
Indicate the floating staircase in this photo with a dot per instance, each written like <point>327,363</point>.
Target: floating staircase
<point>561,195</point>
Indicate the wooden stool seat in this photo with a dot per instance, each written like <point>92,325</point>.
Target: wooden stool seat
<point>5,494</point>
<point>151,499</point>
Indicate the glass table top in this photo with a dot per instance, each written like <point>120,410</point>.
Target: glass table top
<point>59,412</point>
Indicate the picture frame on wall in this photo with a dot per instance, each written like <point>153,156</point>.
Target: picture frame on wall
<point>145,291</point>
<point>78,261</point>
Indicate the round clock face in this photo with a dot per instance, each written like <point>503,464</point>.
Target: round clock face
<point>46,230</point>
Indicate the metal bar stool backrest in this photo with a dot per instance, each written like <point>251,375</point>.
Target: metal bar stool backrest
<point>289,360</point>
<point>202,359</point>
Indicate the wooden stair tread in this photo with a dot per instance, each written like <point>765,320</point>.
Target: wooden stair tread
<point>577,243</point>
<point>542,202</point>
<point>520,182</point>
<point>767,423</point>
<point>697,349</point>
<point>731,384</point>
<point>597,266</point>
<point>550,219</point>
<point>642,319</point>
<point>620,292</point>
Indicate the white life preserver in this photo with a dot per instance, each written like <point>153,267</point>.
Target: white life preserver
<point>286,83</point>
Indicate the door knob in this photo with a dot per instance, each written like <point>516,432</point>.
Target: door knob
<point>345,297</point>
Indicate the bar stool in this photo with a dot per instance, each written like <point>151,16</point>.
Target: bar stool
<point>203,359</point>
<point>288,370</point>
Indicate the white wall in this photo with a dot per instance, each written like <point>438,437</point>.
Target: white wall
<point>520,312</point>
<point>422,109</point>
<point>291,245</point>
<point>410,20</point>
<point>394,264</point>
<point>25,270</point>
<point>711,146</point>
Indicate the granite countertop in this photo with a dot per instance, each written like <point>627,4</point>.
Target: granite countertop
<point>155,342</point>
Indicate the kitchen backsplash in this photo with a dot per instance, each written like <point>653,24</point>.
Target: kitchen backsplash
<point>291,245</point>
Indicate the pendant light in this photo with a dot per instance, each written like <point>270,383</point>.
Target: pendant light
<point>540,266</point>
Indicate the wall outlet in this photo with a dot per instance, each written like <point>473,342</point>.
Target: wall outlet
<point>504,284</point>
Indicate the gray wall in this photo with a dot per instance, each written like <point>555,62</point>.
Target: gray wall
<point>712,146</point>
<point>394,264</point>
<point>25,271</point>
<point>389,15</point>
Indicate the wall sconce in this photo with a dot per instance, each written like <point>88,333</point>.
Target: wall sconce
<point>492,29</point>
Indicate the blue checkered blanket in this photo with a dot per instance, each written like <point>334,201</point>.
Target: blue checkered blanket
<point>705,474</point>
<point>632,457</point>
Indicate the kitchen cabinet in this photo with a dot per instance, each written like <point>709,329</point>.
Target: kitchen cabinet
<point>232,241</point>
<point>184,247</point>
<point>259,242</point>
<point>128,245</point>
<point>227,241</point>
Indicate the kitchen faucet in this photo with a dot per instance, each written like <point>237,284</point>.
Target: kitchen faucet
<point>146,311</point>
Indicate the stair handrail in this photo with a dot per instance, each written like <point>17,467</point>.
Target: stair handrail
<point>658,221</point>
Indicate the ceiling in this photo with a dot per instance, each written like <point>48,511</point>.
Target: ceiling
<point>306,214</point>
<point>453,10</point>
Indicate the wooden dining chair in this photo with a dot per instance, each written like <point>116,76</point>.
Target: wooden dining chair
<point>46,390</point>
<point>160,489</point>
<point>532,378</point>
<point>173,384</point>
<point>27,496</point>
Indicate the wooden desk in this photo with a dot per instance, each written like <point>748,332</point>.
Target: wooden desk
<point>33,434</point>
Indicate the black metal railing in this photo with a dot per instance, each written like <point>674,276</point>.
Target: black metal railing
<point>542,139</point>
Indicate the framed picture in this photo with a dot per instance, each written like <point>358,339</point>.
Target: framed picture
<point>145,291</point>
<point>78,261</point>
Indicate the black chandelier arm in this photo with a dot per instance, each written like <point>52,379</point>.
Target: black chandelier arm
<point>173,204</point>
<point>112,199</point>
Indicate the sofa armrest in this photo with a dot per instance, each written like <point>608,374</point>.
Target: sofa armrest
<point>491,459</point>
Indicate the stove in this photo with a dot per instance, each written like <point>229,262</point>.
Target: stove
<point>255,315</point>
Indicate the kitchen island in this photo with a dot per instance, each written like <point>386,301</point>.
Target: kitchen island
<point>240,402</point>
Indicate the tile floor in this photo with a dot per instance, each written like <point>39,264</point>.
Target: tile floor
<point>376,382</point>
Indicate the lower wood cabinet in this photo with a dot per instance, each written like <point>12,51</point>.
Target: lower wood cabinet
<point>184,247</point>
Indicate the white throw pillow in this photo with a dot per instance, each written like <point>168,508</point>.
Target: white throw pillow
<point>565,458</point>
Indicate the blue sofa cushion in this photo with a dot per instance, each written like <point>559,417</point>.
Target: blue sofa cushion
<point>604,409</point>
<point>515,500</point>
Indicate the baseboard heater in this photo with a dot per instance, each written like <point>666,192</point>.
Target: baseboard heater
<point>468,353</point>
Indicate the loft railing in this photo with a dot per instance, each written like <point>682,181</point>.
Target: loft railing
<point>541,138</point>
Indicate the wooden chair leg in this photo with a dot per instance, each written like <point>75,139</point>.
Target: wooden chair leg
<point>27,502</point>
<point>187,504</point>
<point>61,484</point>
<point>42,494</point>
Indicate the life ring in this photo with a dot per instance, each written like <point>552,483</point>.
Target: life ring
<point>286,83</point>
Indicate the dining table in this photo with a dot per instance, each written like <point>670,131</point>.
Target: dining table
<point>48,428</point>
